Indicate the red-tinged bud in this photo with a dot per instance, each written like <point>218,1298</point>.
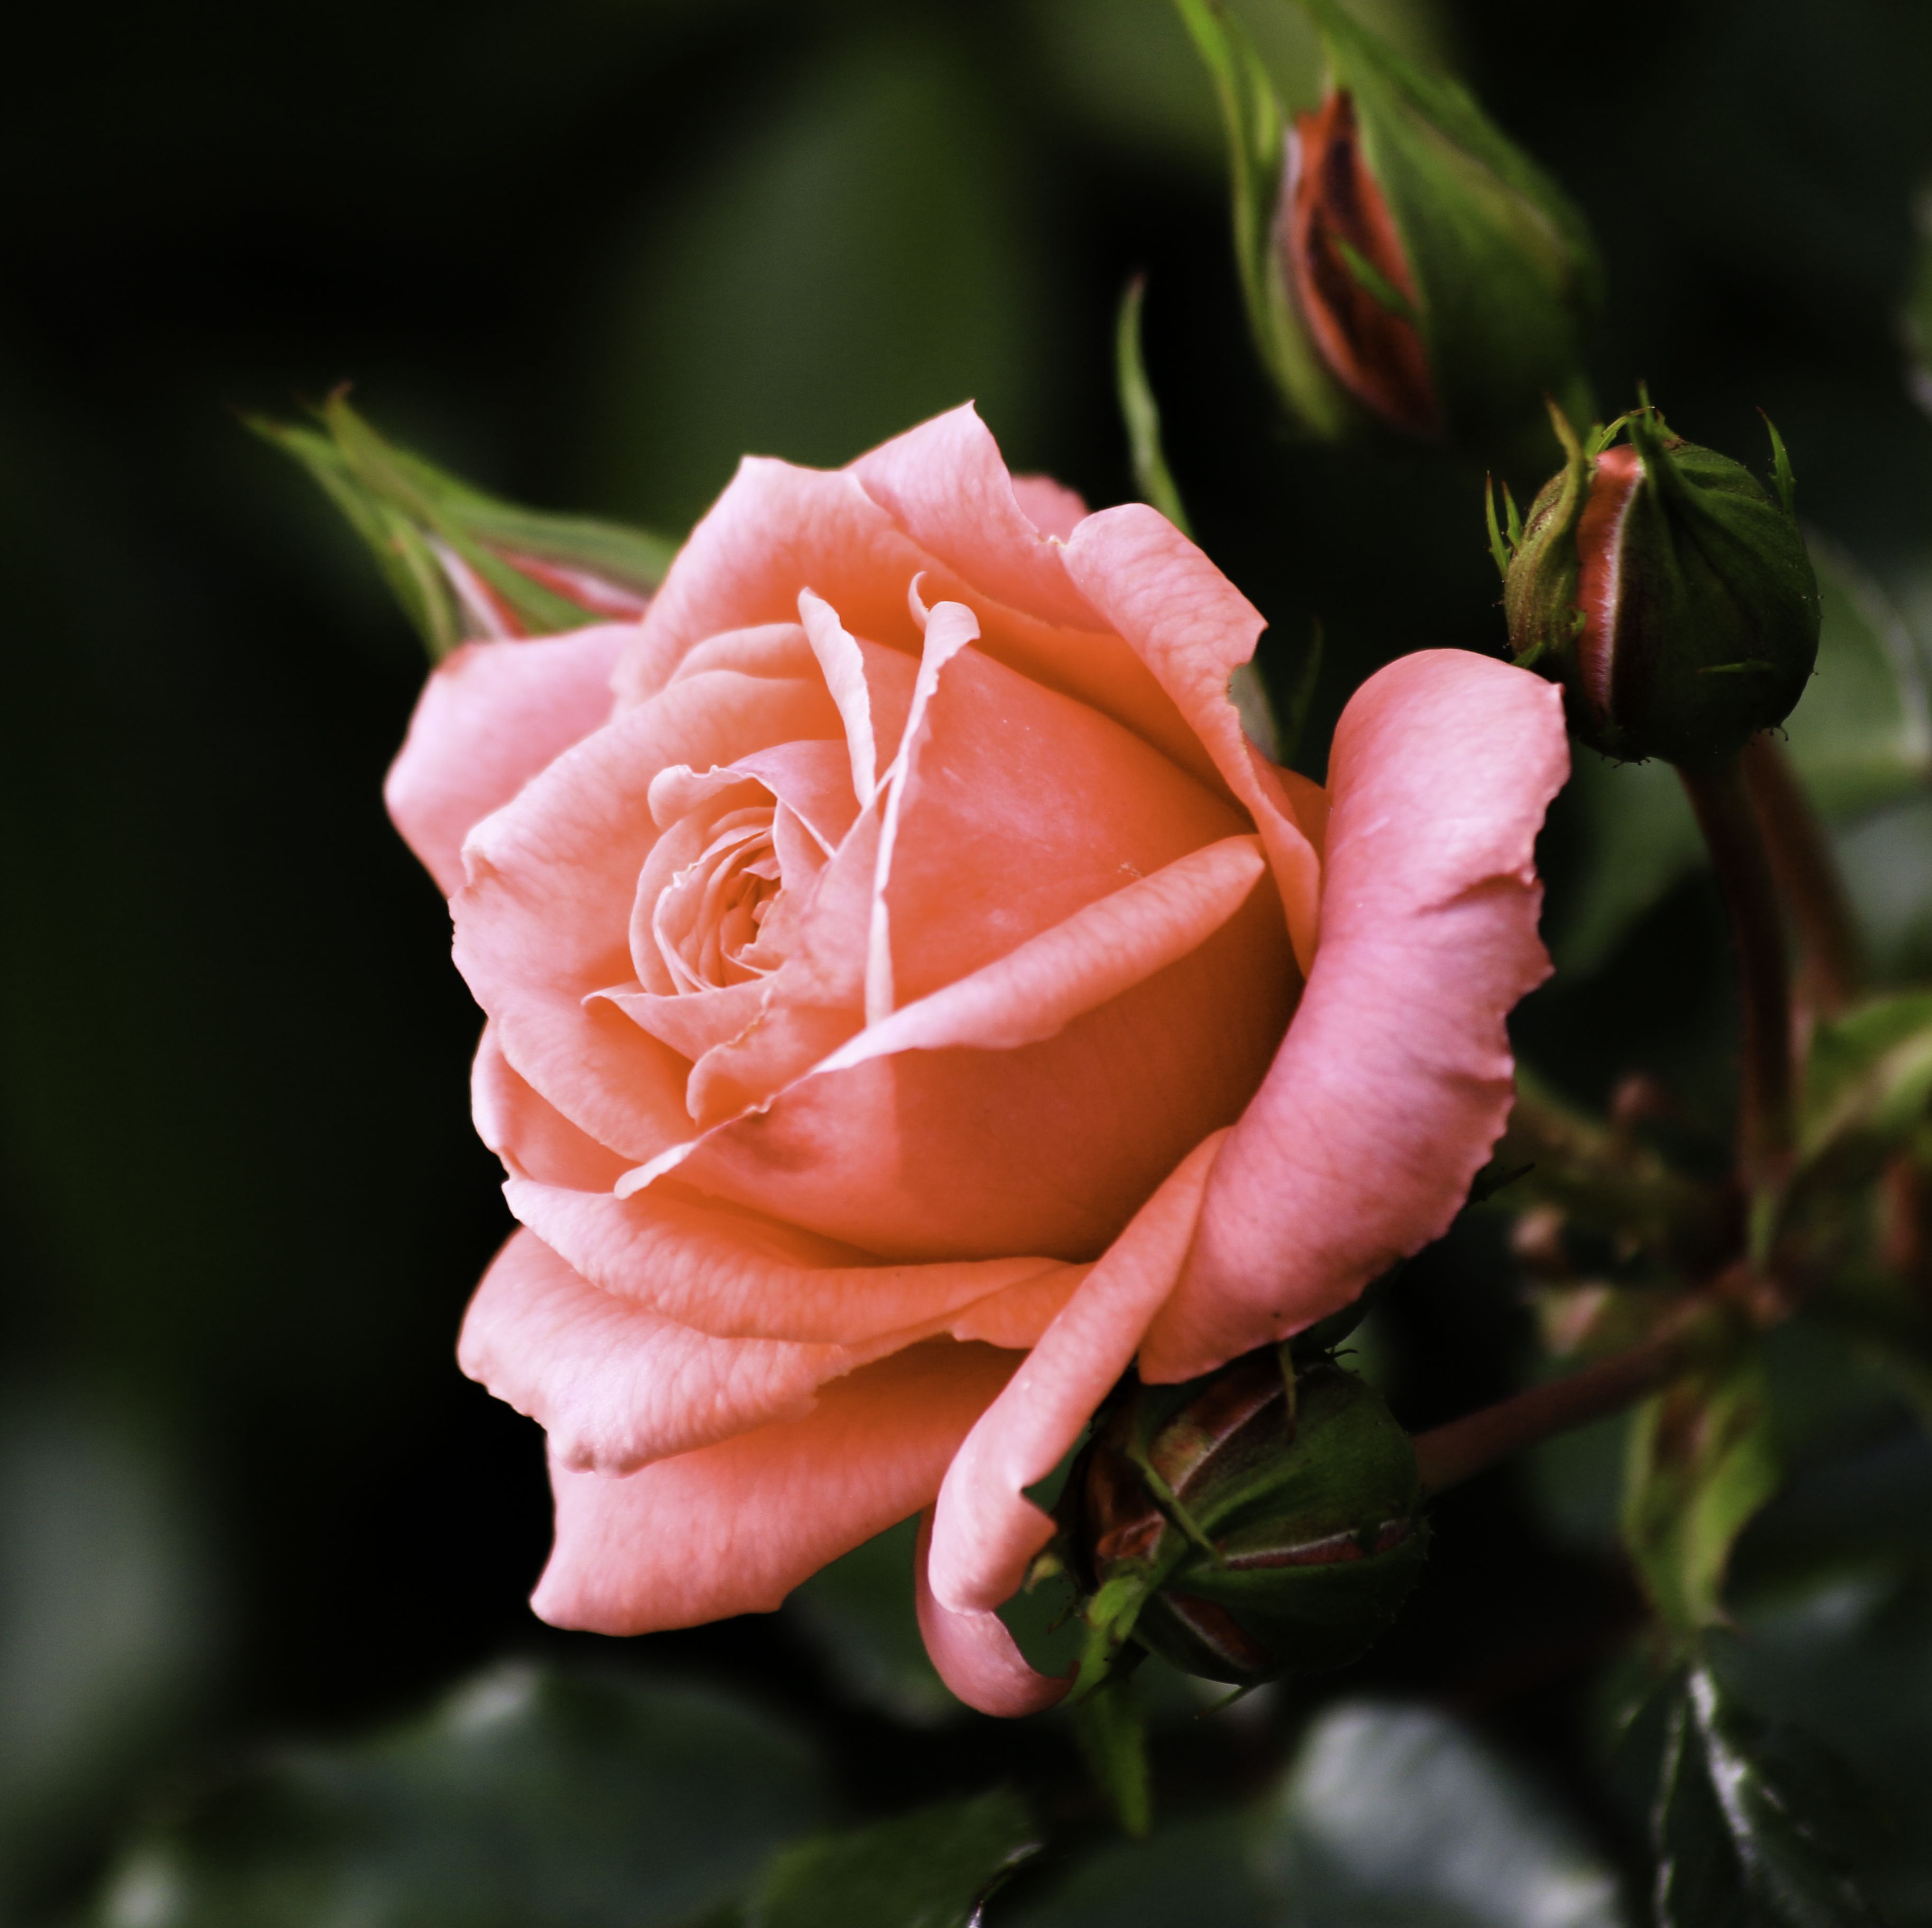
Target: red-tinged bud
<point>1352,282</point>
<point>463,564</point>
<point>1247,1524</point>
<point>1666,589</point>
<point>1408,266</point>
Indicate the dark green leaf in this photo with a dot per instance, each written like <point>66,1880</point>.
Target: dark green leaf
<point>1395,1817</point>
<point>1200,1872</point>
<point>1861,737</point>
<point>1702,1461</point>
<point>931,1870</point>
<point>1732,1849</point>
<point>530,1798</point>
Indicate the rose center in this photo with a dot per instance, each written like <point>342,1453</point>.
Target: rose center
<point>708,918</point>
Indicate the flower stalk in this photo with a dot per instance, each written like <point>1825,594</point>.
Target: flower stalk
<point>1832,971</point>
<point>1447,1455</point>
<point>1720,796</point>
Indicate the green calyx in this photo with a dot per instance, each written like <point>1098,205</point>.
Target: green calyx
<point>1250,1523</point>
<point>1666,589</point>
<point>462,563</point>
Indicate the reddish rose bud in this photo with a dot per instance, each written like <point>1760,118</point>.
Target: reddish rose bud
<point>1405,265</point>
<point>1666,589</point>
<point>1352,281</point>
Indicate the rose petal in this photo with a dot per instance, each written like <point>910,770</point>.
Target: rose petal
<point>534,1140</point>
<point>1192,628</point>
<point>543,922</point>
<point>943,483</point>
<point>986,1529</point>
<point>691,1022</point>
<point>1023,807</point>
<point>730,1272</point>
<point>1051,507</point>
<point>974,1655</point>
<point>777,529</point>
<point>844,671</point>
<point>1098,953</point>
<point>896,1155</point>
<point>733,1527</point>
<point>1395,1077</point>
<point>491,716</point>
<point>617,1387</point>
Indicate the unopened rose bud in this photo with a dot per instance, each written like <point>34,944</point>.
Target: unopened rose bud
<point>1241,1534</point>
<point>1419,271</point>
<point>466,565</point>
<point>1667,590</point>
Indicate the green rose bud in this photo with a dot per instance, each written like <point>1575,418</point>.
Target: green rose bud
<point>1667,591</point>
<point>464,565</point>
<point>1244,1526</point>
<point>1402,262</point>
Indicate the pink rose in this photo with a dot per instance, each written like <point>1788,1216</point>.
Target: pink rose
<point>912,1000</point>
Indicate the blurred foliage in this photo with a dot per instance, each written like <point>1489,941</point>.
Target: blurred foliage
<point>531,1797</point>
<point>587,255</point>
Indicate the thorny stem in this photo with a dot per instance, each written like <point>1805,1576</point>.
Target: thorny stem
<point>1808,876</point>
<point>1723,803</point>
<point>1450,1454</point>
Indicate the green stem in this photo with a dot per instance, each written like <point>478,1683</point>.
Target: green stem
<point>1723,803</point>
<point>1808,874</point>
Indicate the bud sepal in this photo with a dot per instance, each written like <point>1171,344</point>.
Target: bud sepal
<point>466,565</point>
<point>1665,588</point>
<point>1250,1523</point>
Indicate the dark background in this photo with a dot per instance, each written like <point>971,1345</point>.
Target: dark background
<point>587,253</point>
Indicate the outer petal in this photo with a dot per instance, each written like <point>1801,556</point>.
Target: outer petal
<point>533,1139</point>
<point>976,1656</point>
<point>740,1276</point>
<point>490,718</point>
<point>1193,628</point>
<point>614,1386</point>
<point>986,1528</point>
<point>1395,1077</point>
<point>737,1275</point>
<point>734,1528</point>
<point>777,529</point>
<point>943,483</point>
<point>1051,507</point>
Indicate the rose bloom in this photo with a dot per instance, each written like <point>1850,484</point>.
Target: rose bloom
<point>912,1001</point>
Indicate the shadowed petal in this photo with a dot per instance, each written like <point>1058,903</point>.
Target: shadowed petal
<point>734,1528</point>
<point>617,1387</point>
<point>986,1528</point>
<point>975,1655</point>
